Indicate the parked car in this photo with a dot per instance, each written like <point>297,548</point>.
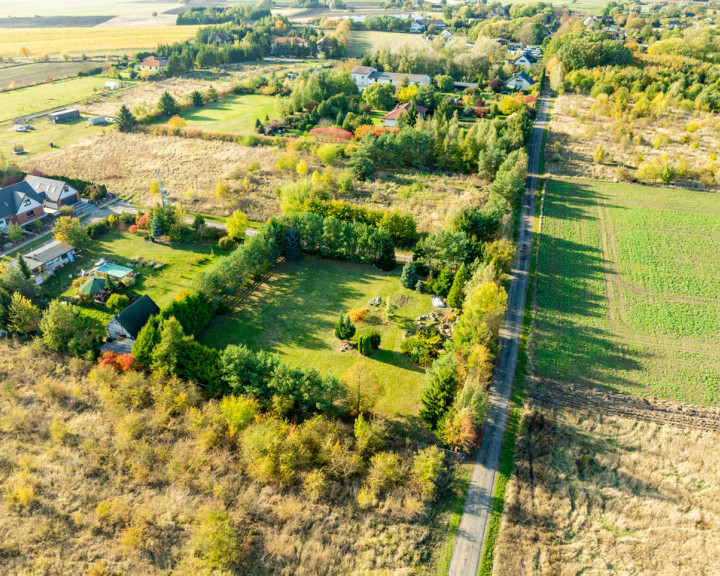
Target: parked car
<point>21,129</point>
<point>28,127</point>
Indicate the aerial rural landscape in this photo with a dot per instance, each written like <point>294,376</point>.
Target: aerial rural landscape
<point>359,287</point>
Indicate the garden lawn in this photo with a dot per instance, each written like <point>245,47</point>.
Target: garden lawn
<point>26,101</point>
<point>294,314</point>
<point>183,261</point>
<point>232,114</point>
<point>38,141</point>
<point>628,292</point>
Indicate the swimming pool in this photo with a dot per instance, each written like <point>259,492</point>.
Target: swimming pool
<point>114,270</point>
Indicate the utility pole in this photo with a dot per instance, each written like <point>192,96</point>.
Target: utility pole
<point>163,192</point>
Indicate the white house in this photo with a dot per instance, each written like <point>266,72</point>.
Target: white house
<point>520,81</point>
<point>53,193</point>
<point>363,76</point>
<point>417,26</point>
<point>391,118</point>
<point>589,21</point>
<point>525,60</point>
<point>43,261</point>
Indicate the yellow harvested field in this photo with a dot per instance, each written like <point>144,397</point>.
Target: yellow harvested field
<point>88,40</point>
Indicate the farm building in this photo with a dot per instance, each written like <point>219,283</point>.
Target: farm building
<point>130,321</point>
<point>43,261</point>
<point>97,121</point>
<point>64,115</point>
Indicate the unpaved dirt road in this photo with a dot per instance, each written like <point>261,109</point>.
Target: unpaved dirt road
<point>470,537</point>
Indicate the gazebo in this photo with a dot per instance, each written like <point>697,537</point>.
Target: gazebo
<point>93,286</point>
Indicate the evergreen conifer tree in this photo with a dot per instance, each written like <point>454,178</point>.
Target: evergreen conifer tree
<point>24,268</point>
<point>440,391</point>
<point>456,296</point>
<point>126,122</point>
<point>197,99</point>
<point>409,277</point>
<point>292,245</point>
<point>147,339</point>
<point>344,329</point>
<point>412,114</point>
<point>386,255</point>
<point>168,106</point>
<point>156,228</point>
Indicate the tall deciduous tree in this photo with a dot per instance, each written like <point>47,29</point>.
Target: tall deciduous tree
<point>65,329</point>
<point>362,387</point>
<point>71,231</point>
<point>23,315</point>
<point>236,225</point>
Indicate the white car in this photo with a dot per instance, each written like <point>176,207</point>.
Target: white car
<point>20,129</point>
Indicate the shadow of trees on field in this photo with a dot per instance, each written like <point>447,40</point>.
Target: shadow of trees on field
<point>573,334</point>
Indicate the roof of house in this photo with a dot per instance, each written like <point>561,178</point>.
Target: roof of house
<point>45,253</point>
<point>393,114</point>
<point>362,70</point>
<point>154,61</point>
<point>286,39</point>
<point>52,189</point>
<point>121,345</point>
<point>94,285</point>
<point>11,198</point>
<point>529,57</point>
<point>523,76</point>
<point>395,76</point>
<point>135,316</point>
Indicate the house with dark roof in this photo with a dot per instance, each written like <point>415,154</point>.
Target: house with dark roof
<point>520,81</point>
<point>130,321</point>
<point>44,260</point>
<point>526,60</point>
<point>363,76</point>
<point>391,117</point>
<point>19,203</point>
<point>54,193</point>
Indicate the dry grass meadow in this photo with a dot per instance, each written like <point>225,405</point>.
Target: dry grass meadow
<point>687,140</point>
<point>191,169</point>
<point>109,475</point>
<point>598,494</point>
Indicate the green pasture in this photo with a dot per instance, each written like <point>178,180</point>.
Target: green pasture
<point>628,295</point>
<point>363,42</point>
<point>182,262</point>
<point>33,99</point>
<point>38,141</point>
<point>232,114</point>
<point>295,312</point>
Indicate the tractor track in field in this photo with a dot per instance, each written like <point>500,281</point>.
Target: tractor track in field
<point>552,395</point>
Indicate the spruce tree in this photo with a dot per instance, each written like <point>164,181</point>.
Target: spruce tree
<point>412,114</point>
<point>456,296</point>
<point>126,122</point>
<point>197,99</point>
<point>24,268</point>
<point>292,245</point>
<point>344,329</point>
<point>409,277</point>
<point>386,254</point>
<point>147,339</point>
<point>167,106</point>
<point>156,228</point>
<point>439,393</point>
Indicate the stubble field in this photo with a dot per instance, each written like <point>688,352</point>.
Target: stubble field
<point>627,296</point>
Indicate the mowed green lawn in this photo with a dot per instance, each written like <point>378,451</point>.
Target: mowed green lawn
<point>232,114</point>
<point>183,261</point>
<point>628,290</point>
<point>38,141</point>
<point>294,314</point>
<point>25,101</point>
<point>362,42</point>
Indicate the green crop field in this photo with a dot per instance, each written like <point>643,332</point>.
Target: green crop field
<point>33,99</point>
<point>295,313</point>
<point>363,42</point>
<point>628,291</point>
<point>232,114</point>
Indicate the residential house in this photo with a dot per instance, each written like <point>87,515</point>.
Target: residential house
<point>64,115</point>
<point>153,63</point>
<point>43,261</point>
<point>525,60</point>
<point>130,321</point>
<point>439,24</point>
<point>282,40</point>
<point>220,38</point>
<point>363,76</point>
<point>417,26</point>
<point>391,117</point>
<point>501,41</point>
<point>20,204</point>
<point>589,21</point>
<point>446,37</point>
<point>520,81</point>
<point>54,193</point>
